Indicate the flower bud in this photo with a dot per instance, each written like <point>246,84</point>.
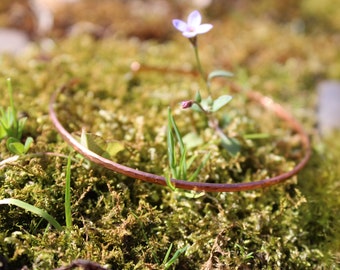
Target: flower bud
<point>187,104</point>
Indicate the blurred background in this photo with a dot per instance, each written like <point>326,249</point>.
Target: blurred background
<point>26,20</point>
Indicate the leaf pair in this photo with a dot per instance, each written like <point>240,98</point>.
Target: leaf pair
<point>209,105</point>
<point>17,147</point>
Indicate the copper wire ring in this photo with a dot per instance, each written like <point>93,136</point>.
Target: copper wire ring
<point>264,101</point>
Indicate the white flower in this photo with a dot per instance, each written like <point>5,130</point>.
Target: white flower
<point>193,27</point>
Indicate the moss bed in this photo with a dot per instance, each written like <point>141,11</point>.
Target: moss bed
<point>123,223</point>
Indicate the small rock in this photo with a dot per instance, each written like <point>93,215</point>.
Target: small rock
<point>12,40</point>
<point>328,116</point>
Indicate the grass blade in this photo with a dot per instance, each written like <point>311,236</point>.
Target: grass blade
<point>175,257</point>
<point>33,209</point>
<point>178,134</point>
<point>68,214</point>
<point>166,258</point>
<point>171,147</point>
<point>198,170</point>
<point>183,165</point>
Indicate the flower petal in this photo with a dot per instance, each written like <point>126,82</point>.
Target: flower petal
<point>194,19</point>
<point>189,34</point>
<point>203,28</point>
<point>180,25</point>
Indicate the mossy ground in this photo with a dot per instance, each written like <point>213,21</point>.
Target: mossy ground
<point>127,224</point>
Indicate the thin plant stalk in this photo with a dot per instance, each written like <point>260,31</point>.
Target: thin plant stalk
<point>68,214</point>
<point>198,62</point>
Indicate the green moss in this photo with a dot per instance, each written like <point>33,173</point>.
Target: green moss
<point>124,223</point>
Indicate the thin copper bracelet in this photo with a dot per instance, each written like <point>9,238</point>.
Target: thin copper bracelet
<point>264,101</point>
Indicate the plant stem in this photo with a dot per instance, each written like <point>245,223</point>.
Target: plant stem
<point>199,66</point>
<point>68,214</point>
<point>198,62</point>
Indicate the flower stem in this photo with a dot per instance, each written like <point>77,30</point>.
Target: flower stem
<point>198,62</point>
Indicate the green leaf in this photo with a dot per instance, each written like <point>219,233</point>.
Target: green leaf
<point>196,108</point>
<point>170,144</point>
<point>33,209</point>
<point>183,165</point>
<point>198,97</point>
<point>192,140</point>
<point>191,160</point>
<point>90,142</point>
<point>175,257</point>
<point>220,102</point>
<point>3,132</point>
<point>4,120</point>
<point>177,133</point>
<point>15,146</point>
<point>230,144</point>
<point>166,258</point>
<point>113,148</point>
<point>99,146</point>
<point>206,104</point>
<point>200,167</point>
<point>21,124</point>
<point>219,73</point>
<point>28,143</point>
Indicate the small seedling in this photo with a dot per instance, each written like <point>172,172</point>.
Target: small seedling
<point>178,163</point>
<point>12,128</point>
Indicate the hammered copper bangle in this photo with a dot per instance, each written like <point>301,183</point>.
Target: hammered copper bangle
<point>264,101</point>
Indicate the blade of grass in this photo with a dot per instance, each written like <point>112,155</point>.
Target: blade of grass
<point>195,174</point>
<point>175,257</point>
<point>178,134</point>
<point>33,209</point>
<point>171,147</point>
<point>68,214</point>
<point>191,160</point>
<point>183,165</point>
<point>166,258</point>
